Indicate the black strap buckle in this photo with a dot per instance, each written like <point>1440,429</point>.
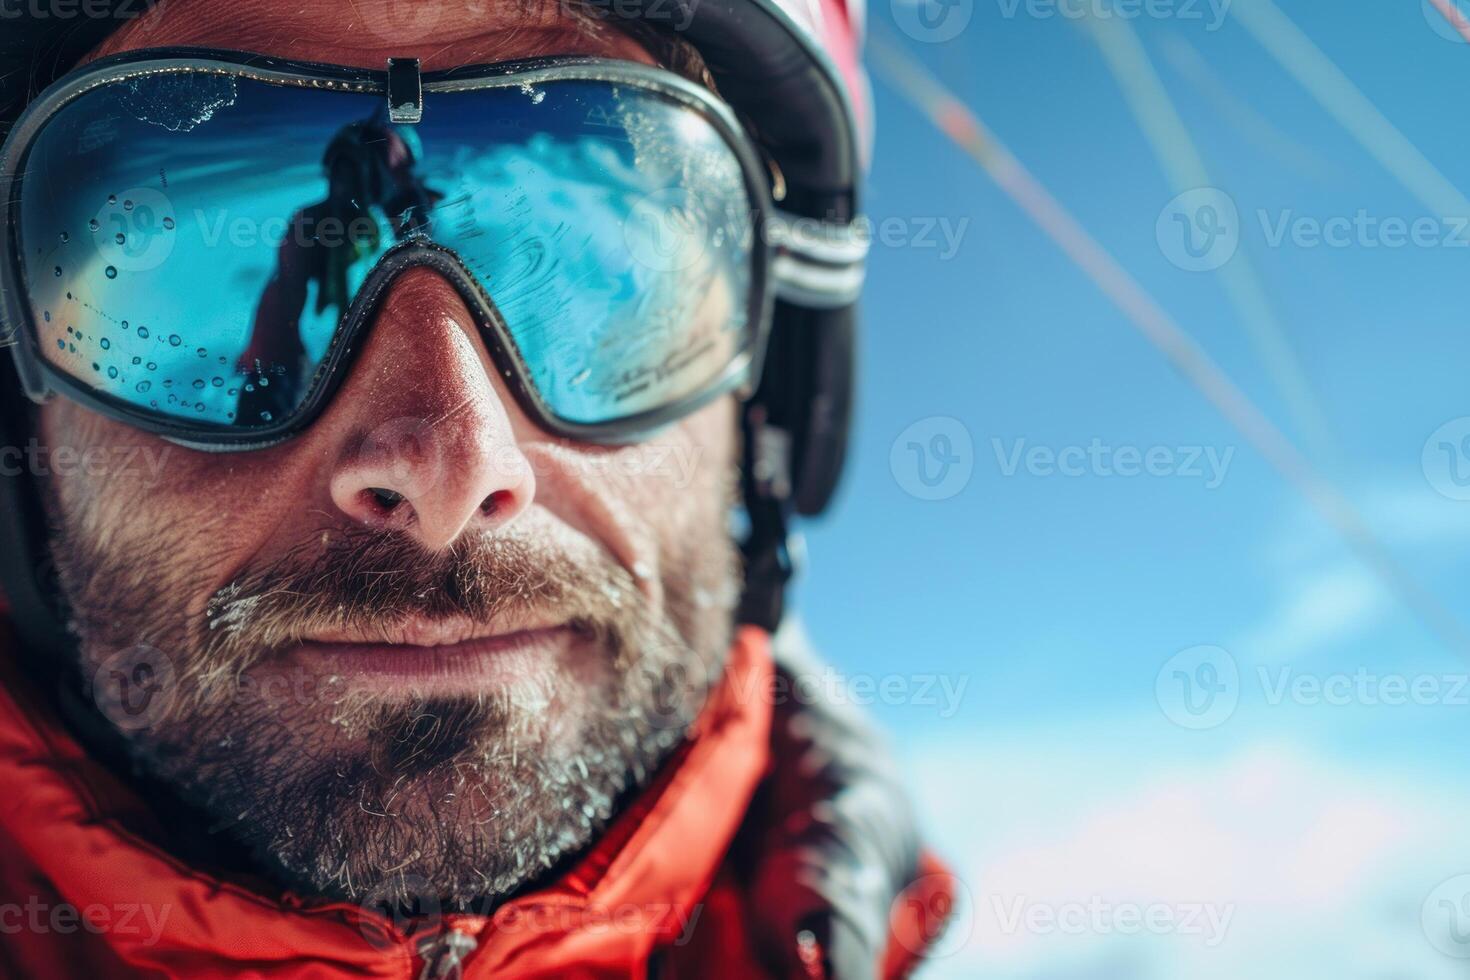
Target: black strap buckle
<point>405,91</point>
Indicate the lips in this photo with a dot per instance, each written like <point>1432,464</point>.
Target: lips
<point>422,632</point>
<point>436,657</point>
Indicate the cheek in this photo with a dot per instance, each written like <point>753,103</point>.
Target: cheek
<point>91,467</point>
<point>690,472</point>
<point>125,492</point>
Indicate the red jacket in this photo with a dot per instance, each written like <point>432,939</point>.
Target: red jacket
<point>88,890</point>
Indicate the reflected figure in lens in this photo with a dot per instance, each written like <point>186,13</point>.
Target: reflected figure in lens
<point>375,197</point>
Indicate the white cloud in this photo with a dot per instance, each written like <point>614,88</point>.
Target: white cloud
<point>1316,611</point>
<point>1309,868</point>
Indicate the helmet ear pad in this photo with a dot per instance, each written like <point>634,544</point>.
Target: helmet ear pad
<point>29,589</point>
<point>795,439</point>
<point>806,391</point>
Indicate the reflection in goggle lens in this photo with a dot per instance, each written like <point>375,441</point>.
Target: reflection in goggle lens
<point>191,241</point>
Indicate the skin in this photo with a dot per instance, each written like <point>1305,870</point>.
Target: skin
<point>208,564</point>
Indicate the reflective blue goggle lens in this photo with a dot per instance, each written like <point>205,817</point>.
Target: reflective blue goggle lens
<point>192,241</point>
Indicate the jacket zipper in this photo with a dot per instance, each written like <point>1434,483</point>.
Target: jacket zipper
<point>444,953</point>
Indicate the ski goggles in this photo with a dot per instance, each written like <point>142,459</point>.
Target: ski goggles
<point>197,241</point>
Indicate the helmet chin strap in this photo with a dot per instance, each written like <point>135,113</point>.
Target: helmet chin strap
<point>28,580</point>
<point>767,549</point>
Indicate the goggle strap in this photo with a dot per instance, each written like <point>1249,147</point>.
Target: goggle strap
<point>817,264</point>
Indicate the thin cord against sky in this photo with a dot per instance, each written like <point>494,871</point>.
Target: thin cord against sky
<point>1185,169</point>
<point>965,128</point>
<point>1451,13</point>
<point>1244,118</point>
<point>1346,103</point>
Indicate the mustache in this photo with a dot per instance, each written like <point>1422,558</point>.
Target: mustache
<point>358,578</point>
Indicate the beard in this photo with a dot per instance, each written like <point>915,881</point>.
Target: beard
<point>402,798</point>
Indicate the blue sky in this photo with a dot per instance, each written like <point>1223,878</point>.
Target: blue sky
<point>1052,602</point>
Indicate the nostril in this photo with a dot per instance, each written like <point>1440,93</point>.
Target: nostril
<point>497,501</point>
<point>382,499</point>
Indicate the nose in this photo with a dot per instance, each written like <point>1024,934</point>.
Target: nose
<point>426,435</point>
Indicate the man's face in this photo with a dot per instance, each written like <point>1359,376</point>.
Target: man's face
<point>422,641</point>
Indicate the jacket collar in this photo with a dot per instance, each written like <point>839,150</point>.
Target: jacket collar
<point>71,822</point>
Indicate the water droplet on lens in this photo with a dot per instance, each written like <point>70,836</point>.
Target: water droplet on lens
<point>119,238</point>
<point>65,238</point>
<point>106,344</point>
<point>96,366</point>
<point>58,275</point>
<point>202,352</point>
<point>47,315</point>
<point>94,224</point>
<point>249,386</point>
<point>198,383</point>
<point>152,366</point>
<point>60,343</point>
<point>265,382</point>
<point>265,416</point>
<point>217,382</point>
<point>137,359</point>
<point>112,199</point>
<point>111,272</point>
<point>144,385</point>
<point>168,223</point>
<point>233,391</point>
<point>143,331</point>
<point>112,372</point>
<point>175,340</point>
<point>127,205</point>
